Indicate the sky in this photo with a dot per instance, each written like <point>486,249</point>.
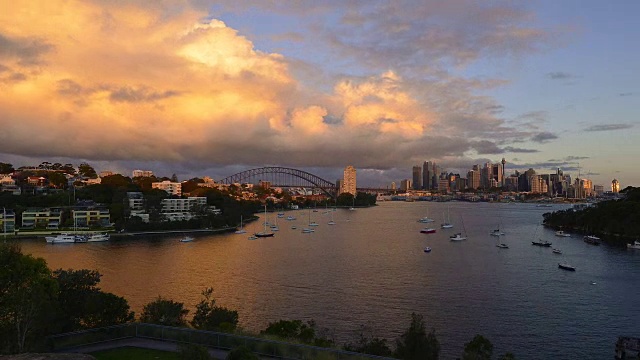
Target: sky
<point>211,88</point>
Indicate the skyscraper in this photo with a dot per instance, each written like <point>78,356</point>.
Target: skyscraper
<point>349,181</point>
<point>615,186</point>
<point>417,177</point>
<point>426,175</point>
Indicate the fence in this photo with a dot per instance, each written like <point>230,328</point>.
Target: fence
<point>211,339</point>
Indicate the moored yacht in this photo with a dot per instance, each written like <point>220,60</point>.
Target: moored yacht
<point>635,245</point>
<point>428,230</point>
<point>457,237</point>
<point>98,237</point>
<point>61,239</point>
<point>556,251</point>
<point>541,243</point>
<point>566,266</point>
<point>592,239</point>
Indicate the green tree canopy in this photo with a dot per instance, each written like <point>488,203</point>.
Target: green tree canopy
<point>366,343</point>
<point>415,343</point>
<point>58,180</point>
<point>6,168</point>
<point>480,348</point>
<point>209,316</point>
<point>164,312</point>
<point>87,170</point>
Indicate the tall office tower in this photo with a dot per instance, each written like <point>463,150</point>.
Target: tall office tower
<point>615,186</point>
<point>417,177</point>
<point>497,174</point>
<point>339,185</point>
<point>485,176</point>
<point>523,180</point>
<point>435,176</point>
<point>405,184</point>
<point>393,185</point>
<point>473,179</point>
<point>349,181</point>
<point>426,175</point>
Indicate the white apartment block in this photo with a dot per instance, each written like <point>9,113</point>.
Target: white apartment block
<point>142,173</point>
<point>182,205</point>
<point>173,188</point>
<point>349,181</point>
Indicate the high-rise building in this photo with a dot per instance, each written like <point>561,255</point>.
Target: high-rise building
<point>426,175</point>
<point>435,176</point>
<point>405,184</point>
<point>473,179</point>
<point>172,188</point>
<point>615,186</point>
<point>537,184</point>
<point>496,173</point>
<point>417,177</point>
<point>349,181</point>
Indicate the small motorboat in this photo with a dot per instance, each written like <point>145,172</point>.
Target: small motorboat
<point>566,266</point>
<point>496,232</point>
<point>428,230</point>
<point>427,249</point>
<point>457,237</point>
<point>556,251</point>
<point>186,239</point>
<point>592,239</point>
<point>502,246</point>
<point>541,243</point>
<point>425,220</point>
<point>446,226</point>
<point>253,237</point>
<point>635,245</point>
<point>561,233</point>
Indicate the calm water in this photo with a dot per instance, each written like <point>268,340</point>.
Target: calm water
<point>371,270</point>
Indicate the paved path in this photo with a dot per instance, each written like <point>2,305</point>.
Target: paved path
<point>140,343</point>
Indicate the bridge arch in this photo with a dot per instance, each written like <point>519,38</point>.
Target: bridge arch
<point>282,177</point>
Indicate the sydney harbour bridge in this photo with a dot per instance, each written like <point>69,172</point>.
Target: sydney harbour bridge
<point>288,177</point>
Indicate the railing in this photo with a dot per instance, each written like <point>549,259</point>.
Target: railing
<point>264,347</point>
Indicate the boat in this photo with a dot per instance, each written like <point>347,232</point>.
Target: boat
<point>186,239</point>
<point>293,227</point>
<point>541,243</point>
<point>543,205</point>
<point>426,219</point>
<point>561,233</point>
<point>307,231</point>
<point>274,227</point>
<point>566,266</point>
<point>331,222</point>
<point>353,204</point>
<point>280,214</point>
<point>447,221</point>
<point>556,251</point>
<point>635,245</point>
<point>291,218</point>
<point>264,233</point>
<point>428,230</point>
<point>61,239</point>
<point>312,223</point>
<point>252,237</point>
<point>98,237</point>
<point>241,230</point>
<point>427,249</point>
<point>592,239</point>
<point>502,246</point>
<point>496,232</point>
<point>457,237</point>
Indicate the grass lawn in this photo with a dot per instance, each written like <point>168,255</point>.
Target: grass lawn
<point>134,353</point>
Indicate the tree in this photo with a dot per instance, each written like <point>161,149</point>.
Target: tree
<point>368,344</point>
<point>116,180</point>
<point>415,343</point>
<point>6,168</point>
<point>164,312</point>
<point>174,178</point>
<point>27,292</point>
<point>87,170</point>
<point>58,180</point>
<point>480,348</point>
<point>209,316</point>
<point>83,305</point>
<point>241,353</point>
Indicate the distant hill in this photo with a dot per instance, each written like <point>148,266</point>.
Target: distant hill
<point>616,221</point>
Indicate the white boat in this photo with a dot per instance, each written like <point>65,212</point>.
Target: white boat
<point>291,218</point>
<point>496,232</point>
<point>556,251</point>
<point>447,221</point>
<point>293,227</point>
<point>635,245</point>
<point>457,237</point>
<point>502,246</point>
<point>280,214</point>
<point>241,230</point>
<point>253,237</point>
<point>61,239</point>
<point>425,220</point>
<point>98,237</point>
<point>353,204</point>
<point>187,239</point>
<point>307,231</point>
<point>566,266</point>
<point>427,249</point>
<point>561,233</point>
<point>331,222</point>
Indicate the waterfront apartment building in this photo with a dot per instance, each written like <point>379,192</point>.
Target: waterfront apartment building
<point>405,185</point>
<point>91,216</point>
<point>7,221</point>
<point>183,209</point>
<point>349,181</point>
<point>142,173</point>
<point>172,188</point>
<point>42,218</point>
<point>417,177</point>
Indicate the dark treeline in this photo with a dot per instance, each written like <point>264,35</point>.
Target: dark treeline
<point>36,302</point>
<point>616,221</point>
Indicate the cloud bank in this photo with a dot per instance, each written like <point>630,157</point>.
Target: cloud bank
<point>169,82</point>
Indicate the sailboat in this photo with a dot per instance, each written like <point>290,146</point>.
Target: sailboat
<point>331,222</point>
<point>426,219</point>
<point>241,230</point>
<point>447,221</point>
<point>264,233</point>
<point>458,236</point>
<point>353,204</point>
<point>312,223</point>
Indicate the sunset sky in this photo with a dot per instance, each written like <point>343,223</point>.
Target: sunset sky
<point>214,87</point>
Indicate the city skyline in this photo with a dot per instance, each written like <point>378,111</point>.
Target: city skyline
<point>199,89</point>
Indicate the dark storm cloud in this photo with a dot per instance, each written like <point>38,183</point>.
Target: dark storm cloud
<point>140,94</point>
<point>544,137</point>
<point>27,50</point>
<point>608,127</point>
<point>520,150</point>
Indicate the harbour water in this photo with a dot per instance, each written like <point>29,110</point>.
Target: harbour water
<point>370,269</point>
